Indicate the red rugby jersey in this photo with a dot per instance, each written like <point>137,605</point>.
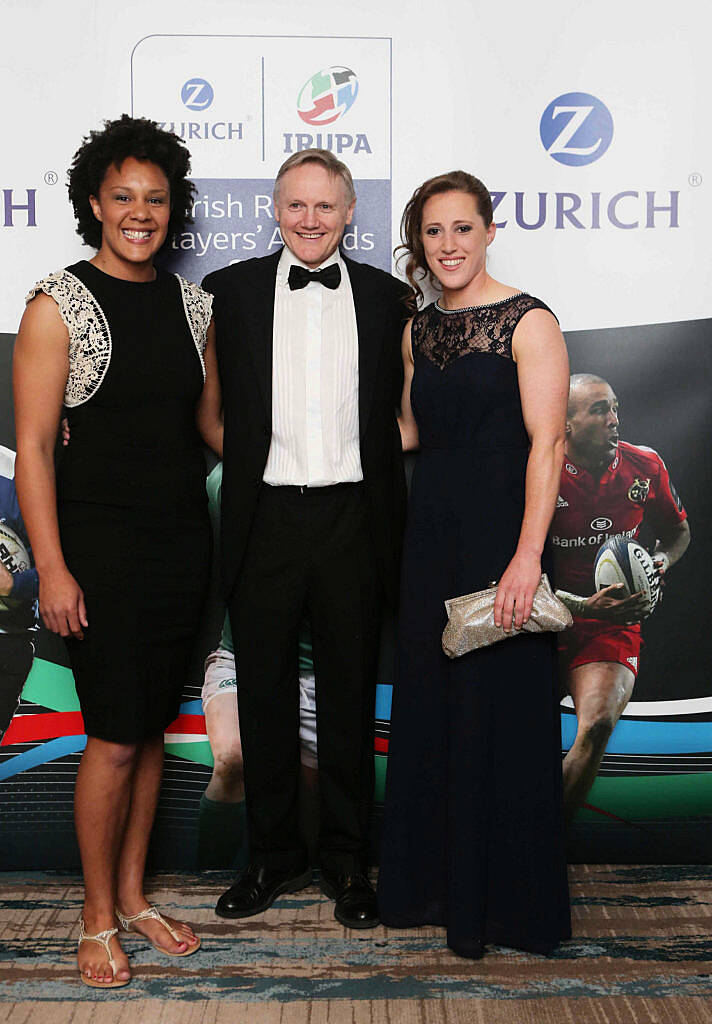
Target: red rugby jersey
<point>634,487</point>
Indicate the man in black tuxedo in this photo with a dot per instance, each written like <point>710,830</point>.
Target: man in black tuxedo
<point>313,499</point>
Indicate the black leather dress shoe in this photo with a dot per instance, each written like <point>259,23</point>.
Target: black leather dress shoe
<point>257,888</point>
<point>354,897</point>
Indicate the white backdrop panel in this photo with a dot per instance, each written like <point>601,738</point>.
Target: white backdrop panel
<point>470,85</point>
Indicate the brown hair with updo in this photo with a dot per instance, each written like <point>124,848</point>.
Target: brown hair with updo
<point>416,268</point>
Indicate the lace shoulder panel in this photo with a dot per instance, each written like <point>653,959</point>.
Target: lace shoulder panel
<point>443,335</point>
<point>198,306</point>
<point>517,306</point>
<point>89,334</point>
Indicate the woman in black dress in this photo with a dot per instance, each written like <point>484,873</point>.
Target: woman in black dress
<point>473,829</point>
<point>121,535</point>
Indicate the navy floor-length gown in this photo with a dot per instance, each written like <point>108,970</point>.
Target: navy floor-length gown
<point>473,829</point>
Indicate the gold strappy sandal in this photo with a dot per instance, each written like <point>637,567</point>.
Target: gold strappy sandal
<point>153,914</point>
<point>103,939</point>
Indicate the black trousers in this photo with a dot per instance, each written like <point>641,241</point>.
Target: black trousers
<point>309,555</point>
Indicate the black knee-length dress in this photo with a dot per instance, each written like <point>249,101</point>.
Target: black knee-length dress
<point>131,495</point>
<point>473,829</point>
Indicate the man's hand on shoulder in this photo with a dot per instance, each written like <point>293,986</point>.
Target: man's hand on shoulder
<point>208,282</point>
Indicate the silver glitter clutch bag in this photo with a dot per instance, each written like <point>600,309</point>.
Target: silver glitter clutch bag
<point>471,619</point>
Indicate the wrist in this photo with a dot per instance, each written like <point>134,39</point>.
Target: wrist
<point>577,605</point>
<point>529,551</point>
<point>52,567</point>
<point>663,558</point>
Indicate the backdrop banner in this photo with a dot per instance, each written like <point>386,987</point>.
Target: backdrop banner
<point>598,171</point>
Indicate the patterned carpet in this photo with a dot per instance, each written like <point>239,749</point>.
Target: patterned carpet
<point>642,954</point>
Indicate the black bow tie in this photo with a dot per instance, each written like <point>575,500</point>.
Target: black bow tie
<point>299,277</point>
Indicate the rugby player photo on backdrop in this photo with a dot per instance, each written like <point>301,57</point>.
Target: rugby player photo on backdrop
<point>19,588</point>
<point>610,490</point>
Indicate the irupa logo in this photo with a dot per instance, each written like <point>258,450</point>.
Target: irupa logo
<point>322,100</point>
<point>338,142</point>
<point>327,96</point>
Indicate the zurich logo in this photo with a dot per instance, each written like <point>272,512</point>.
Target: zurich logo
<point>576,128</point>
<point>197,94</point>
<point>601,523</point>
<point>327,95</point>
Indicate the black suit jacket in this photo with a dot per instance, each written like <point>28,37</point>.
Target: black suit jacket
<point>243,308</point>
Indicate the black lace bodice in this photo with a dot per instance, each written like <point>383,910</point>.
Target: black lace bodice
<point>465,390</point>
<point>442,335</point>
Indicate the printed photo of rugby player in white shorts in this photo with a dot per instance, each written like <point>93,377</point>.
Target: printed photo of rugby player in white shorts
<point>19,590</point>
<point>609,488</point>
<point>222,839</point>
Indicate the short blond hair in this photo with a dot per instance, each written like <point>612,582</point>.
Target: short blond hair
<point>327,160</point>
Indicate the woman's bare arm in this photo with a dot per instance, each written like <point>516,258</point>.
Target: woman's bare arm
<point>40,369</point>
<point>406,419</point>
<point>209,412</point>
<point>543,373</point>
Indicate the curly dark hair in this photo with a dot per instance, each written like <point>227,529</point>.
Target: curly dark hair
<point>411,249</point>
<point>142,139</point>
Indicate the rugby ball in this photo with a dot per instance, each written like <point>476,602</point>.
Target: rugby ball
<point>14,557</point>
<point>621,560</point>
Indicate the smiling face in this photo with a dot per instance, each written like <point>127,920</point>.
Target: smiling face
<point>455,240</point>
<point>133,206</point>
<point>592,424</point>
<point>312,211</point>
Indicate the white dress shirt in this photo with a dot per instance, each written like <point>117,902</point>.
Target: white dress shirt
<point>315,425</point>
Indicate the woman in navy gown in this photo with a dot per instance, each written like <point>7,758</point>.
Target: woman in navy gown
<point>473,831</point>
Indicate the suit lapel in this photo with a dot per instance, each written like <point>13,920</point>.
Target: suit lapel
<point>261,324</point>
<point>369,337</point>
